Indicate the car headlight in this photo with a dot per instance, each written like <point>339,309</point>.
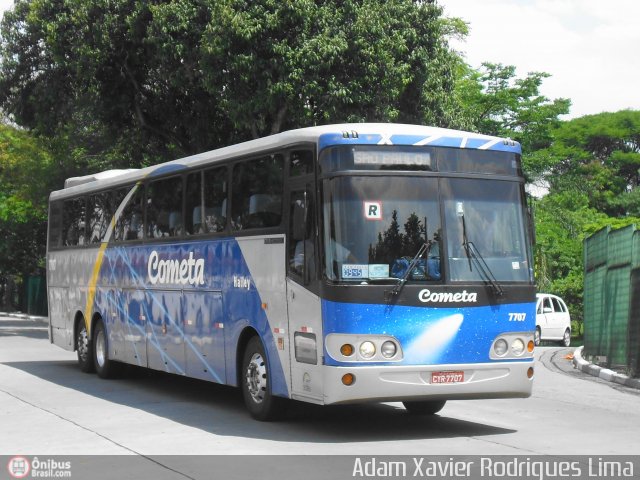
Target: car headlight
<point>367,349</point>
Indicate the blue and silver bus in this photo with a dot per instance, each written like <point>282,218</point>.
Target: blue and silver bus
<point>332,264</point>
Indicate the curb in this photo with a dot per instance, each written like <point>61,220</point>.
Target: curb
<point>24,316</point>
<point>603,373</point>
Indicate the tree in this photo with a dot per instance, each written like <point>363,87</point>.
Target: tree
<point>27,171</point>
<point>495,102</point>
<point>131,82</point>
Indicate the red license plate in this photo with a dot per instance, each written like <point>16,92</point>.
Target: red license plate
<point>447,377</point>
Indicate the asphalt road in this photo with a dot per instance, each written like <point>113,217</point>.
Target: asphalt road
<point>47,406</point>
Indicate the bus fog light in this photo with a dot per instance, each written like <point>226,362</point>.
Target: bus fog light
<point>367,349</point>
<point>517,347</point>
<point>388,349</point>
<point>500,347</point>
<point>348,379</point>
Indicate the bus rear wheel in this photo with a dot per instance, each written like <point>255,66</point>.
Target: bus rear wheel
<point>256,384</point>
<point>84,348</point>
<point>105,367</point>
<point>427,407</point>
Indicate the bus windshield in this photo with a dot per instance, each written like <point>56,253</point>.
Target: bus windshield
<point>375,225</point>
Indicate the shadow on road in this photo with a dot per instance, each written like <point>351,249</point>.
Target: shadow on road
<point>220,410</point>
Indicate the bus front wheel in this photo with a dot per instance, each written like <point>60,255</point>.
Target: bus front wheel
<point>256,383</point>
<point>428,407</point>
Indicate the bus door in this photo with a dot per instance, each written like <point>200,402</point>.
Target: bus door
<point>303,302</point>
<point>204,335</point>
<point>165,336</point>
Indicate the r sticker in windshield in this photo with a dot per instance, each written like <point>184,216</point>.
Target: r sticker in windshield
<point>355,271</point>
<point>373,210</point>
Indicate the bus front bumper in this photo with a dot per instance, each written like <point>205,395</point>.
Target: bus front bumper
<point>429,382</point>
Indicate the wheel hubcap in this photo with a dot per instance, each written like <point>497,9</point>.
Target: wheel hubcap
<point>256,378</point>
<point>100,348</point>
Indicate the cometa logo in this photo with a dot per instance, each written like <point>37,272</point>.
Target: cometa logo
<point>188,270</point>
<point>426,296</point>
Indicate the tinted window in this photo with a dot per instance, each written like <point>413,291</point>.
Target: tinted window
<point>164,208</point>
<point>257,193</point>
<point>55,224</point>
<point>301,245</point>
<point>99,213</point>
<point>207,201</point>
<point>300,163</point>
<point>74,222</point>
<point>130,224</point>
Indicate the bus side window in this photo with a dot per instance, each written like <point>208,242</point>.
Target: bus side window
<point>130,224</point>
<point>164,208</point>
<point>74,221</point>
<point>99,215</point>
<point>301,245</point>
<point>257,193</point>
<point>55,224</point>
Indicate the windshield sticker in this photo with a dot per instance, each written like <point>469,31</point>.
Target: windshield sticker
<point>373,210</point>
<point>515,265</point>
<point>378,270</point>
<point>355,271</point>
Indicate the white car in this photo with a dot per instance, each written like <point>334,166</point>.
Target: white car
<point>552,320</point>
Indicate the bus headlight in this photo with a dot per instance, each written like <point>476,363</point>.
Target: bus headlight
<point>388,349</point>
<point>367,349</point>
<point>517,347</point>
<point>500,347</point>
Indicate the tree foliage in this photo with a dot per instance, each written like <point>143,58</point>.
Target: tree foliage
<point>130,82</point>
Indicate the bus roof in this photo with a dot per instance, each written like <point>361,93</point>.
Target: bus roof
<point>348,133</point>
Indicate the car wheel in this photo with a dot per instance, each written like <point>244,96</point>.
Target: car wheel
<point>256,384</point>
<point>566,338</point>
<point>428,407</point>
<point>84,348</point>
<point>105,367</point>
<point>536,336</point>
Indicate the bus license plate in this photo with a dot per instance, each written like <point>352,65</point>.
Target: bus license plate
<point>447,377</point>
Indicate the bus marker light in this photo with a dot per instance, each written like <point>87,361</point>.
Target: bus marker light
<point>530,372</point>
<point>264,306</point>
<point>348,379</point>
<point>346,350</point>
<point>530,346</point>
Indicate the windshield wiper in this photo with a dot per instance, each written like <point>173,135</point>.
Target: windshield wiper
<point>473,254</point>
<point>423,250</point>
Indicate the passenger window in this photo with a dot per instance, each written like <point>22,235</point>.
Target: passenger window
<point>55,224</point>
<point>300,163</point>
<point>99,216</point>
<point>130,225</point>
<point>207,202</point>
<point>556,305</point>
<point>257,193</point>
<point>164,208</point>
<point>73,228</point>
<point>301,245</point>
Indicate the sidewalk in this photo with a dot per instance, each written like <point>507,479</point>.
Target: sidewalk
<point>603,373</point>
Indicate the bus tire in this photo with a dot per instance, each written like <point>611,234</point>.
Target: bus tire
<point>427,407</point>
<point>105,367</point>
<point>84,348</point>
<point>256,383</point>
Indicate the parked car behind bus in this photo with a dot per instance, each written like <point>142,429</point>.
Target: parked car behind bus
<point>553,321</point>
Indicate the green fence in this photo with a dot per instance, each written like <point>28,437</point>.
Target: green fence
<point>612,297</point>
